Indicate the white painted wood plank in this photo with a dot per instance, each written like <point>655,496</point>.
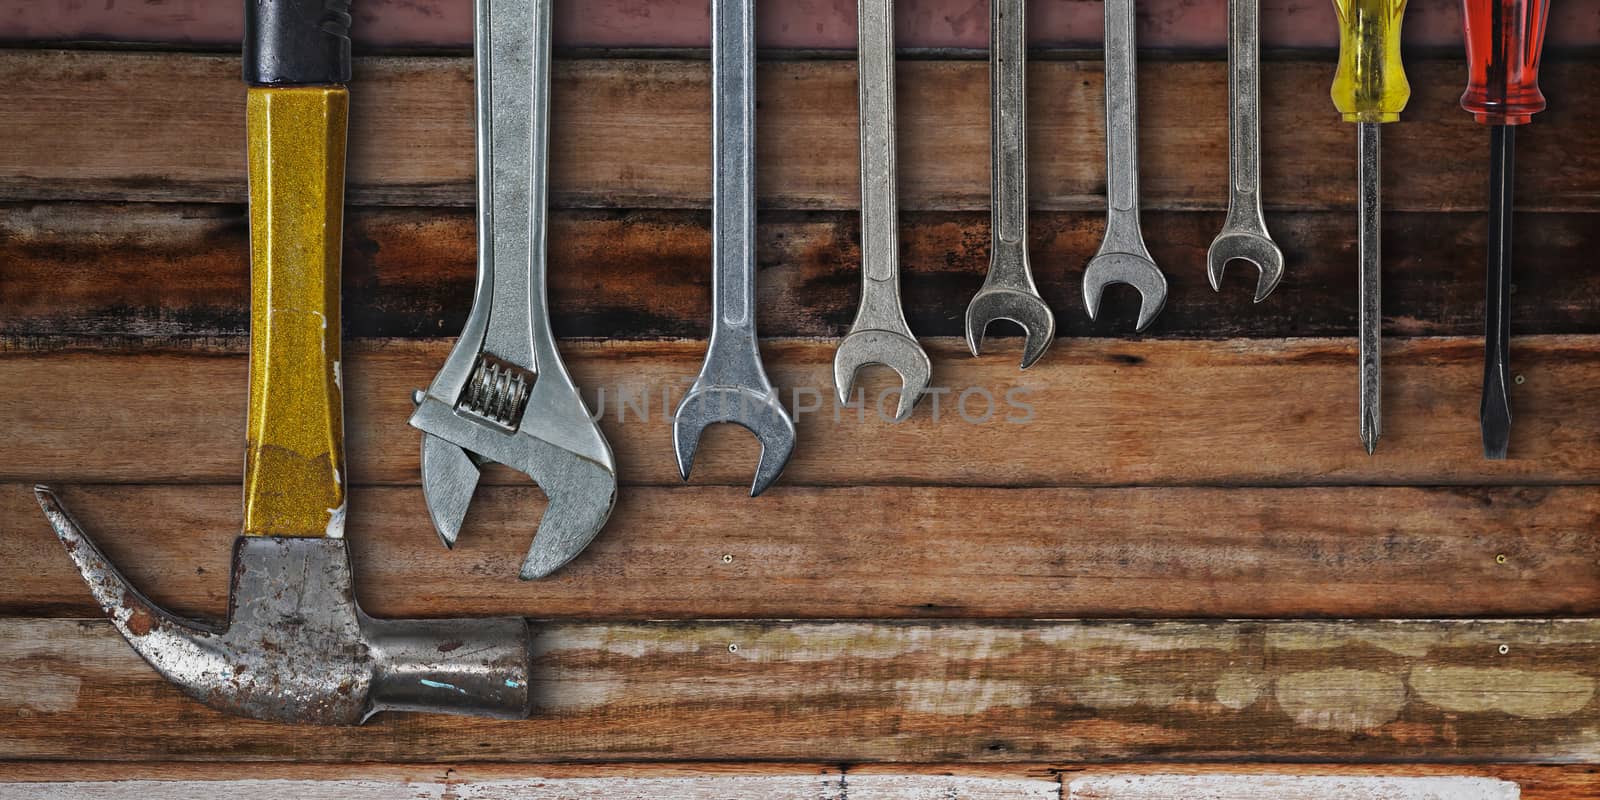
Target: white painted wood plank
<point>1288,787</point>
<point>828,785</point>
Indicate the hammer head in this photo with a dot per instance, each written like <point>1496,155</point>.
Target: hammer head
<point>297,648</point>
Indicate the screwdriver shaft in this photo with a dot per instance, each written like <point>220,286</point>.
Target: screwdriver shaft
<point>1494,417</point>
<point>1371,319</point>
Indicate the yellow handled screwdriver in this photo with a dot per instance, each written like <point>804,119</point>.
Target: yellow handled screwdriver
<point>1370,89</point>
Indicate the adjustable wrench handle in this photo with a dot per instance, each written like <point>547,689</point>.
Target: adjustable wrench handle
<point>513,61</point>
<point>294,460</point>
<point>733,196</point>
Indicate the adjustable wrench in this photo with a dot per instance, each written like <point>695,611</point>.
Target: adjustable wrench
<point>1123,257</point>
<point>880,334</point>
<point>503,395</point>
<point>1008,291</point>
<point>732,385</point>
<point>1244,233</point>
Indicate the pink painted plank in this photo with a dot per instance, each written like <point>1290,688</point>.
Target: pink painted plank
<point>800,24</point>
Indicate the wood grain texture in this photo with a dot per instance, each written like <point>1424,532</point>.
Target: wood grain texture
<point>1288,787</point>
<point>1094,412</point>
<point>884,552</point>
<point>805,25</point>
<point>826,785</point>
<point>157,275</point>
<point>1535,782</point>
<point>909,692</point>
<point>635,133</point>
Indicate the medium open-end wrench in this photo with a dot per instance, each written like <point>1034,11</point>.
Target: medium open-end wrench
<point>1244,233</point>
<point>503,395</point>
<point>1009,292</point>
<point>880,334</point>
<point>732,385</point>
<point>1123,257</point>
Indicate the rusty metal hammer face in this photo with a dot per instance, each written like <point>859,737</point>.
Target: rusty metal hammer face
<point>297,647</point>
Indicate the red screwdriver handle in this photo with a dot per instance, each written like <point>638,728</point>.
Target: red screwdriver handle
<point>1504,38</point>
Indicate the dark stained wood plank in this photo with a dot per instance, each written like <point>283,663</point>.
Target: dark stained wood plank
<point>1363,692</point>
<point>684,23</point>
<point>1094,412</point>
<point>887,552</point>
<point>156,275</point>
<point>635,133</point>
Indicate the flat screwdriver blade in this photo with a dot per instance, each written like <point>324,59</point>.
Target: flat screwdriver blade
<point>1494,416</point>
<point>1371,315</point>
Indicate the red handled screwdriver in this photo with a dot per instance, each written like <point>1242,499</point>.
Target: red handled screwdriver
<point>1504,38</point>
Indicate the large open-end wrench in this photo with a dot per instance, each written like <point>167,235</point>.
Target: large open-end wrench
<point>880,334</point>
<point>1244,233</point>
<point>1123,257</point>
<point>1008,291</point>
<point>503,395</point>
<point>732,385</point>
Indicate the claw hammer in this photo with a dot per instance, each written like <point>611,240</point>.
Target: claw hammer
<point>297,647</point>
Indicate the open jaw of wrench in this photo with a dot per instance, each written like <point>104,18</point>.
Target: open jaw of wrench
<point>732,385</point>
<point>1244,234</point>
<point>1123,257</point>
<point>503,395</point>
<point>1008,291</point>
<point>880,334</point>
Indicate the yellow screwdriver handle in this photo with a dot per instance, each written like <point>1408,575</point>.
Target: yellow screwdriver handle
<point>1370,85</point>
<point>294,460</point>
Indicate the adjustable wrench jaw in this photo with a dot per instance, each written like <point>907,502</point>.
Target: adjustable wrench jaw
<point>554,442</point>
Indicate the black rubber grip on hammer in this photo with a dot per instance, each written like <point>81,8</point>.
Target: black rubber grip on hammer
<point>296,42</point>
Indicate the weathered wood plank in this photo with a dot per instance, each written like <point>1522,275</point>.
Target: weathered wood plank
<point>828,785</point>
<point>1287,787</point>
<point>635,133</point>
<point>1376,691</point>
<point>795,787</point>
<point>1094,412</point>
<point>918,552</point>
<point>1535,782</point>
<point>683,23</point>
<point>157,274</point>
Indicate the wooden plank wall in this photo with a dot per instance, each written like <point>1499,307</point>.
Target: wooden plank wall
<point>1152,567</point>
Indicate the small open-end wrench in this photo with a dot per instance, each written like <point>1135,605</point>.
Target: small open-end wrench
<point>1009,292</point>
<point>732,385</point>
<point>1123,257</point>
<point>503,395</point>
<point>880,334</point>
<point>1244,233</point>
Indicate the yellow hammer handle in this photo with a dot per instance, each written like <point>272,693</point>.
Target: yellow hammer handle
<point>294,458</point>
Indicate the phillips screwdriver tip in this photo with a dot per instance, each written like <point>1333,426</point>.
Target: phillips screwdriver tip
<point>1370,432</point>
